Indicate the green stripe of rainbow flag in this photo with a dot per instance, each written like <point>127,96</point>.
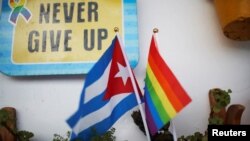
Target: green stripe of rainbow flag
<point>164,96</point>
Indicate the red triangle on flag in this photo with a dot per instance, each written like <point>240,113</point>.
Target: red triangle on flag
<point>119,79</point>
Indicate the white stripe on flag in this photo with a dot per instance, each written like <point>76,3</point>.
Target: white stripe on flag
<point>99,114</point>
<point>98,86</point>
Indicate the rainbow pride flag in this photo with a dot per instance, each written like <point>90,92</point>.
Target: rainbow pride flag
<point>164,96</point>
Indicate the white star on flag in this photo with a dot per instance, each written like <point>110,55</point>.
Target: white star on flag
<point>123,73</point>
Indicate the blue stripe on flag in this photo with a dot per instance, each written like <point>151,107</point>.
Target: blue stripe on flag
<point>94,74</point>
<point>152,110</point>
<point>125,105</point>
<point>93,105</point>
<point>106,112</point>
<point>97,70</point>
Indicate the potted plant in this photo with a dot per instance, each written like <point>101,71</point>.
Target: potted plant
<point>219,113</point>
<point>8,130</point>
<point>234,17</point>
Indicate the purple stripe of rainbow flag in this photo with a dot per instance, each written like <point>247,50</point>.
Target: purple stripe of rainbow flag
<point>164,96</point>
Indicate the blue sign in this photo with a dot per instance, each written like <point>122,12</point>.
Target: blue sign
<point>59,37</point>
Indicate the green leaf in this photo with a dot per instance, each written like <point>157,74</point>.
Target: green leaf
<point>24,135</point>
<point>216,109</point>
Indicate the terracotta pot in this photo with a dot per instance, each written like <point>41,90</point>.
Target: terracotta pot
<point>234,113</point>
<point>5,135</point>
<point>234,17</point>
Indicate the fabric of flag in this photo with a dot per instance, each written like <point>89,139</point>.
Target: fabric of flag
<point>164,96</point>
<point>107,94</point>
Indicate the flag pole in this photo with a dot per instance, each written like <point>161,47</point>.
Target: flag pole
<point>116,29</point>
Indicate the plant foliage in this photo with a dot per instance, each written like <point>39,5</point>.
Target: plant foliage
<point>20,135</point>
<point>108,136</point>
<point>58,137</point>
<point>222,99</point>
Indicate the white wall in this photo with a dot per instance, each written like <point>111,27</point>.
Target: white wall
<point>191,42</point>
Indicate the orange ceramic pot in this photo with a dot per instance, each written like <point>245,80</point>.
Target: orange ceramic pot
<point>234,17</point>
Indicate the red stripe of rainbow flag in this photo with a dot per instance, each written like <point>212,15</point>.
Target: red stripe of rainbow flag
<point>164,96</point>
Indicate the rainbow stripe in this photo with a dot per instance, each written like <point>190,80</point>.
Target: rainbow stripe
<point>164,96</point>
<point>18,7</point>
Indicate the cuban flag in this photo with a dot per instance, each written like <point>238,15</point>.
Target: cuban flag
<point>108,93</point>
